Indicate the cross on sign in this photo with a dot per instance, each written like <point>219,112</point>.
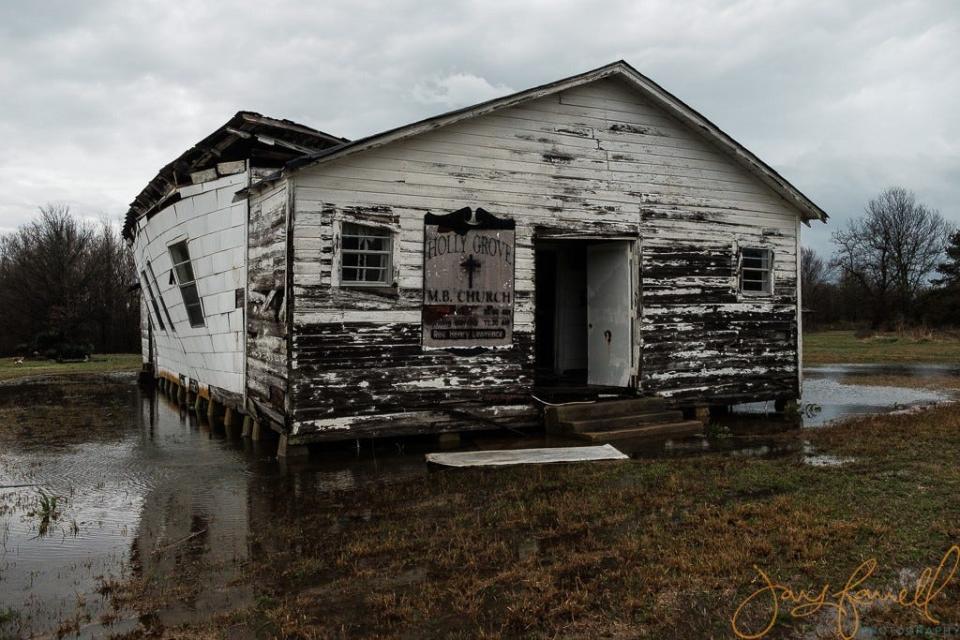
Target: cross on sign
<point>470,265</point>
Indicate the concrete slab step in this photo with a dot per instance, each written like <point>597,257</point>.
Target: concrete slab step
<point>504,457</point>
<point>664,431</point>
<point>602,409</point>
<point>620,422</point>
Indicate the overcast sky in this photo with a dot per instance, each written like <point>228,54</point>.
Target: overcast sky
<point>842,97</point>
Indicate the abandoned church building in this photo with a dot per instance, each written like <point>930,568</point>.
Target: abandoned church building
<point>593,238</point>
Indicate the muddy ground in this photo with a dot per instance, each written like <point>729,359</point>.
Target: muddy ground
<point>641,549</point>
<point>185,533</point>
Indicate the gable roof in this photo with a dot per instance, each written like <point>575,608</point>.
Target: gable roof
<point>247,135</point>
<point>620,69</point>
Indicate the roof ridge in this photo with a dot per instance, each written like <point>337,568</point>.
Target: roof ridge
<point>650,88</point>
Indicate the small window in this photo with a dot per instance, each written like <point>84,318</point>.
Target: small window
<point>365,255</point>
<point>187,283</point>
<point>166,312</point>
<point>756,271</point>
<point>153,300</point>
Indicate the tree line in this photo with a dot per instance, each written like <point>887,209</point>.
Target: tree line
<point>65,288</point>
<point>895,266</point>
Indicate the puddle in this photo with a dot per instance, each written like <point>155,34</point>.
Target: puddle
<point>149,491</point>
<point>827,397</point>
<point>158,490</point>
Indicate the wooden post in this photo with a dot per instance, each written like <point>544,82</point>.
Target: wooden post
<point>247,429</point>
<point>256,433</point>
<point>181,395</point>
<point>230,422</point>
<point>211,409</point>
<point>702,414</point>
<point>288,451</point>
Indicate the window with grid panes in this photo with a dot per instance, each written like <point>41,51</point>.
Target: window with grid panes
<point>365,255</point>
<point>756,271</point>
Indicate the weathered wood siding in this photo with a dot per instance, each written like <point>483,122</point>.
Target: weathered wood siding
<point>267,362</point>
<point>596,160</point>
<point>213,225</point>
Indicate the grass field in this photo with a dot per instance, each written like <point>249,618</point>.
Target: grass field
<point>100,363</point>
<point>844,346</point>
<point>638,549</point>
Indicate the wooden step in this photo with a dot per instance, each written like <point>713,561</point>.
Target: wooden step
<point>603,409</point>
<point>664,431</point>
<point>619,422</point>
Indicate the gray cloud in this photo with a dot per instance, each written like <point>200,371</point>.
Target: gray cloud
<point>843,98</point>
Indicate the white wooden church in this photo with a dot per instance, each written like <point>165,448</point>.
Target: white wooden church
<point>586,239</point>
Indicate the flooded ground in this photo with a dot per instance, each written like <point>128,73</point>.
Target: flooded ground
<point>144,489</point>
<point>832,392</point>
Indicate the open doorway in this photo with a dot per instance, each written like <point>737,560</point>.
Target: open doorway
<point>561,312</point>
<point>584,312</point>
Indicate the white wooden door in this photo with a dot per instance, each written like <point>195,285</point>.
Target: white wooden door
<point>609,292</point>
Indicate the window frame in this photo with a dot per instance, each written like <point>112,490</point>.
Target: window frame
<point>153,300</point>
<point>184,284</point>
<point>381,233</point>
<point>163,304</point>
<point>767,253</point>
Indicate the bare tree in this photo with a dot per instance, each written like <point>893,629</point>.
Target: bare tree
<point>63,281</point>
<point>814,273</point>
<point>891,251</point>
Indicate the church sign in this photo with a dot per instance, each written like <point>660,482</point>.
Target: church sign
<point>468,260</point>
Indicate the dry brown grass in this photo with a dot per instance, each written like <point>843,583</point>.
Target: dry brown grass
<point>882,348</point>
<point>658,549</point>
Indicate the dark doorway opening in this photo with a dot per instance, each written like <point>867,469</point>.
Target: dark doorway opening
<point>561,313</point>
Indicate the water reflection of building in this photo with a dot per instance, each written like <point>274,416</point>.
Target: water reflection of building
<point>193,535</point>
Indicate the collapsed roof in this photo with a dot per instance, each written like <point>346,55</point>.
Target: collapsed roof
<point>266,142</point>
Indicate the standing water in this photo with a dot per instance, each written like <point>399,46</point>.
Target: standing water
<point>102,482</point>
<point>138,482</point>
<point>828,394</point>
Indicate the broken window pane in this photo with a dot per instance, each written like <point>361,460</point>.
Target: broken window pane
<point>180,255</point>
